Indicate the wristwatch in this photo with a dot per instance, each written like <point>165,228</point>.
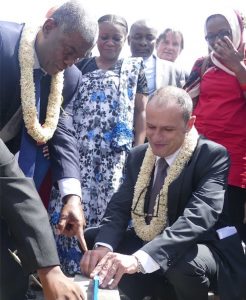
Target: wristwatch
<point>140,267</point>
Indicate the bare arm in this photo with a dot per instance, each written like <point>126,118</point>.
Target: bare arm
<point>139,118</point>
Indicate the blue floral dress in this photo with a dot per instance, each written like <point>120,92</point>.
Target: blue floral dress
<point>103,120</point>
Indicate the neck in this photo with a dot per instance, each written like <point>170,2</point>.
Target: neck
<point>105,64</point>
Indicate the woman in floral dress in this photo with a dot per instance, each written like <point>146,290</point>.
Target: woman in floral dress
<point>109,118</point>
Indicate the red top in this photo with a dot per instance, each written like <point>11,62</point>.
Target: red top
<point>221,117</point>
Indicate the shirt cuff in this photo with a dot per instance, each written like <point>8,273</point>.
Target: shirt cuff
<point>69,186</point>
<point>147,262</point>
<point>104,245</point>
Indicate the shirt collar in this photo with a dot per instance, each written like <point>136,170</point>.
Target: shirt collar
<point>170,158</point>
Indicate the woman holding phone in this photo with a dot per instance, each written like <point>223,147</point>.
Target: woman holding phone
<point>217,85</point>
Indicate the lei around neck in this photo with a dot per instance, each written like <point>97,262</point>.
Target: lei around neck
<point>158,223</point>
<point>40,133</point>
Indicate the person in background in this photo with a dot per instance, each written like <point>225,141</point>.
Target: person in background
<point>109,118</point>
<point>30,129</point>
<point>169,44</point>
<point>179,245</point>
<point>159,73</point>
<point>217,85</point>
<point>26,221</point>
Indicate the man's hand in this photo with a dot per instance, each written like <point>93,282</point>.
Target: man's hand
<point>91,258</point>
<point>72,221</point>
<point>112,266</point>
<point>57,286</point>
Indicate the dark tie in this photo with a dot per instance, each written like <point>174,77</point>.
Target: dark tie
<point>28,149</point>
<point>160,175</point>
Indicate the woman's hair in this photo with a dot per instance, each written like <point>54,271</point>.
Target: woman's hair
<point>115,20</point>
<point>73,16</point>
<point>163,36</point>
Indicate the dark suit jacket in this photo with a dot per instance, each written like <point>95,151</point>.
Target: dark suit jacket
<point>62,146</point>
<point>24,213</point>
<point>195,205</point>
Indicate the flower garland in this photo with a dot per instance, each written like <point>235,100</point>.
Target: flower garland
<point>40,133</point>
<point>157,224</point>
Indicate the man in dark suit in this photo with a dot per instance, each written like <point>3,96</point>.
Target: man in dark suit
<point>179,245</point>
<point>63,38</point>
<point>25,53</point>
<point>26,217</point>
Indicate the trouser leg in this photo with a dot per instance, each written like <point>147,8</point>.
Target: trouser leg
<point>193,274</point>
<point>13,281</point>
<point>236,200</point>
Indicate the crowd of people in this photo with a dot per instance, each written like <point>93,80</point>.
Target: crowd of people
<point>141,165</point>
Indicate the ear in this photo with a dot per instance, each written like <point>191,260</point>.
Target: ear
<point>48,26</point>
<point>190,123</point>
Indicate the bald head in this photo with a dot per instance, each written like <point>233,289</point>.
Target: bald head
<point>142,38</point>
<point>172,96</point>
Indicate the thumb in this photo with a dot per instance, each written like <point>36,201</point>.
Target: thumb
<point>61,225</point>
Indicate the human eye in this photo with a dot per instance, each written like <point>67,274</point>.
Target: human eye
<point>150,38</point>
<point>137,37</point>
<point>210,37</point>
<point>104,37</point>
<point>224,33</point>
<point>117,39</point>
<point>68,51</point>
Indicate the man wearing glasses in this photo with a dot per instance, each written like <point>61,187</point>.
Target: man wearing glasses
<point>179,243</point>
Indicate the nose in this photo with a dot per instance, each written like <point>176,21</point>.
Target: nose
<point>143,41</point>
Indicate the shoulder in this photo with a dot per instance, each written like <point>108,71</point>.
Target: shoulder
<point>211,151</point>
<point>86,65</point>
<point>10,34</point>
<point>72,76</point>
<point>138,152</point>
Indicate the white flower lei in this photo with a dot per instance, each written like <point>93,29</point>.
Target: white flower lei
<point>158,223</point>
<point>40,133</point>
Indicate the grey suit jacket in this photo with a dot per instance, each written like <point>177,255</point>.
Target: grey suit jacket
<point>25,215</point>
<point>195,211</point>
<point>168,73</point>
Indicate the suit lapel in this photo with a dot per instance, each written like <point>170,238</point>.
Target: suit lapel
<point>174,194</point>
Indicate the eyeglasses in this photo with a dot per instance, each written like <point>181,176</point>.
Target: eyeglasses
<point>210,38</point>
<point>144,214</point>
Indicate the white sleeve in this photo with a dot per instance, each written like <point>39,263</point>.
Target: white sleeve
<point>147,262</point>
<point>69,186</point>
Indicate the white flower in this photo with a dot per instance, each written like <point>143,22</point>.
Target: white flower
<point>40,133</point>
<point>148,232</point>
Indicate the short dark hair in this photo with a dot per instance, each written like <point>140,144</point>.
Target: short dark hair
<point>163,35</point>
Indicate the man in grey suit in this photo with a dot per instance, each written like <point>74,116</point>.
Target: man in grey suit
<point>28,224</point>
<point>159,72</point>
<point>179,244</point>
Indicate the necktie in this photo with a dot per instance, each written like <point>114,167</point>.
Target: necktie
<point>160,175</point>
<point>28,149</point>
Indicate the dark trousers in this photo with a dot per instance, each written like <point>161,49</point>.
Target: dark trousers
<point>189,279</point>
<point>13,281</point>
<point>236,200</point>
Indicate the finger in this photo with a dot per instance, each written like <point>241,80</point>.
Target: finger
<point>102,265</point>
<point>81,238</point>
<point>62,224</point>
<point>85,263</point>
<point>117,279</point>
<point>109,274</point>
